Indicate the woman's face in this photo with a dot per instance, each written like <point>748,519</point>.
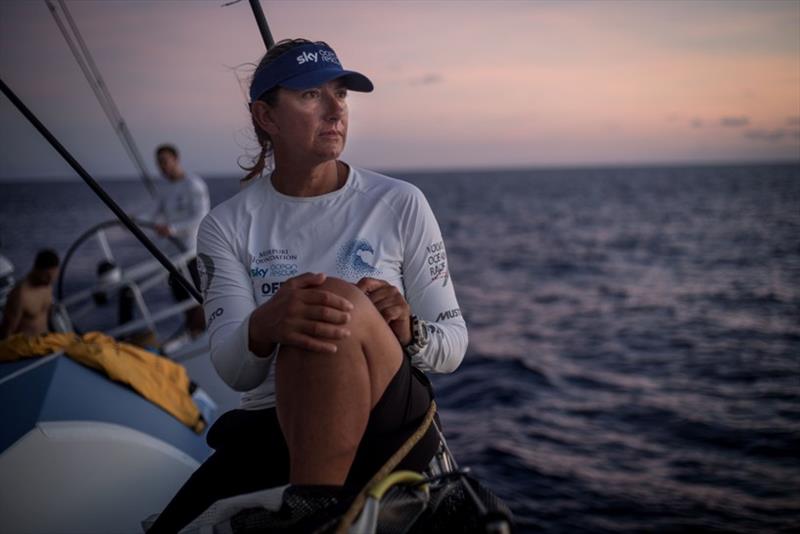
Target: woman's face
<point>309,124</point>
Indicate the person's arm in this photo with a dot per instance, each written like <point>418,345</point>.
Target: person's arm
<point>12,314</point>
<point>429,288</point>
<point>199,203</point>
<point>228,302</point>
<point>154,213</point>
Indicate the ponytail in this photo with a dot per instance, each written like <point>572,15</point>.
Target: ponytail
<point>259,163</point>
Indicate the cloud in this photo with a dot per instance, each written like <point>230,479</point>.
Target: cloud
<point>734,122</point>
<point>427,79</point>
<point>793,121</point>
<point>696,122</point>
<point>769,136</point>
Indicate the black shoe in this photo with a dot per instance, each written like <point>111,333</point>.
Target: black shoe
<point>304,509</point>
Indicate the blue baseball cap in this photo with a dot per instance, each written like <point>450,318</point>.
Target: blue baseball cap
<point>304,67</point>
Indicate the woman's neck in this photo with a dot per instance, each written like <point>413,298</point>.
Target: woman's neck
<point>300,181</point>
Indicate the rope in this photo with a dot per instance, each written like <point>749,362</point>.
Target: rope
<point>383,472</point>
<point>92,74</point>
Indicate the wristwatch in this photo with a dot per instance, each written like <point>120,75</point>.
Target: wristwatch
<point>419,336</point>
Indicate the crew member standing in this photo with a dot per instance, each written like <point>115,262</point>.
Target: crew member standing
<point>180,207</point>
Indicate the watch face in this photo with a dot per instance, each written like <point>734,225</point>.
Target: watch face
<point>419,336</point>
<point>420,333</point>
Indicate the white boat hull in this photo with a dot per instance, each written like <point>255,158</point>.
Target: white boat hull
<point>87,477</point>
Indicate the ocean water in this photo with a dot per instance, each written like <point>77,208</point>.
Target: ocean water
<point>634,360</point>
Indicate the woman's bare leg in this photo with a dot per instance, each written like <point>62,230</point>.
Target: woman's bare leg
<point>324,400</point>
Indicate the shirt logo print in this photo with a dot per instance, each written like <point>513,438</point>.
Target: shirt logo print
<point>354,258</point>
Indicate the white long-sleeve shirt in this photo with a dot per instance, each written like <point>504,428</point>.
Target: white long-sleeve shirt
<point>182,205</point>
<point>373,226</point>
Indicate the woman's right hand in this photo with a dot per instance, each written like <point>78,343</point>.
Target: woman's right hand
<point>302,315</point>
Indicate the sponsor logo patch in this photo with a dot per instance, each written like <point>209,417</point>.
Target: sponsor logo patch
<point>216,313</point>
<point>284,269</point>
<point>274,270</point>
<point>322,55</point>
<point>356,259</point>
<point>436,260</point>
<point>449,314</point>
<point>205,268</point>
<point>273,263</point>
<point>273,255</point>
<point>270,288</point>
<point>259,272</point>
<point>306,57</point>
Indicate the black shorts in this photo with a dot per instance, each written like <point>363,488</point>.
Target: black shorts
<point>251,452</point>
<point>178,292</point>
<point>395,417</point>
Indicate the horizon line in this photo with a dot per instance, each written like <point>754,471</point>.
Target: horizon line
<point>453,169</point>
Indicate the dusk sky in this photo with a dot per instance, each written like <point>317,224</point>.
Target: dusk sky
<point>458,84</point>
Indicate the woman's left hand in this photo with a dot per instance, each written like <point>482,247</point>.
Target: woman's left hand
<point>391,304</point>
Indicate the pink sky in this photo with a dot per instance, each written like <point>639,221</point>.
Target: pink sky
<point>458,84</point>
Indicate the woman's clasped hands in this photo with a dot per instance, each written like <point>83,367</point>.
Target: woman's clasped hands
<point>301,314</point>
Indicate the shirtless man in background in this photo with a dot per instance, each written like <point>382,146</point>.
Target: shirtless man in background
<point>28,306</point>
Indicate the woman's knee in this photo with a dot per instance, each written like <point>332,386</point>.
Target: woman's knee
<point>370,335</point>
<point>363,311</point>
<point>369,332</point>
<point>345,289</point>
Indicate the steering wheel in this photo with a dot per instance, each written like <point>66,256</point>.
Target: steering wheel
<point>108,278</point>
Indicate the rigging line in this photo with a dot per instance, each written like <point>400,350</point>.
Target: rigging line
<point>81,63</point>
<point>120,121</point>
<point>96,82</point>
<point>101,97</point>
<point>92,74</point>
<point>99,86</point>
<point>100,192</point>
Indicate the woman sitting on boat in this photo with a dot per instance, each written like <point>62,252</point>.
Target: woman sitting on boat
<point>326,293</point>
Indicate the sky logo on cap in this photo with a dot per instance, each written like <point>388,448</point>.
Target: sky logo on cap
<point>321,54</point>
<point>329,56</point>
<point>307,56</point>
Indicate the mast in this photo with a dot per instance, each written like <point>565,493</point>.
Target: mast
<point>263,27</point>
